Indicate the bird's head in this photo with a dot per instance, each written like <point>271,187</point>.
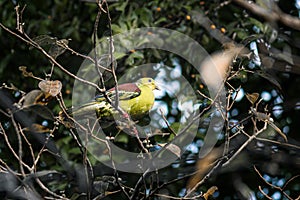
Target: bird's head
<point>149,82</point>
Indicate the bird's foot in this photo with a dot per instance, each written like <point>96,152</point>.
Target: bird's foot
<point>125,115</point>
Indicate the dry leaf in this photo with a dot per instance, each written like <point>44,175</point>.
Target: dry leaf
<point>44,40</point>
<point>252,97</point>
<point>24,71</point>
<point>173,148</point>
<point>58,48</point>
<point>210,192</point>
<point>266,117</point>
<point>278,131</point>
<point>37,128</point>
<point>269,77</point>
<point>36,97</point>
<point>51,87</point>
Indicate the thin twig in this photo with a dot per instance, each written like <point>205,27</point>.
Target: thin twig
<point>39,182</point>
<point>271,185</point>
<point>180,198</point>
<point>95,45</point>
<point>290,180</point>
<point>84,56</point>
<point>262,191</point>
<point>11,148</point>
<point>34,44</point>
<point>227,136</point>
<point>112,163</point>
<point>138,185</point>
<point>218,164</point>
<point>246,143</point>
<point>278,143</point>
<point>167,123</point>
<point>111,50</point>
<point>30,149</point>
<point>20,152</point>
<point>43,149</point>
<point>271,15</point>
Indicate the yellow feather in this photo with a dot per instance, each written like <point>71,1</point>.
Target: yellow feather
<point>143,103</point>
<point>135,103</point>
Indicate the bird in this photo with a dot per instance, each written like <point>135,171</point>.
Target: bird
<point>135,99</point>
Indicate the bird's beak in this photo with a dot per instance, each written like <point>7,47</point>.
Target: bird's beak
<point>156,87</point>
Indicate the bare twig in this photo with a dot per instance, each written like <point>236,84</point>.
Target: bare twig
<point>167,123</point>
<point>34,44</point>
<point>138,185</point>
<point>203,95</point>
<point>217,166</point>
<point>246,144</point>
<point>11,148</point>
<point>43,149</point>
<point>100,9</point>
<point>112,163</point>
<point>30,148</point>
<point>20,152</point>
<point>19,21</point>
<point>266,118</point>
<point>279,143</point>
<point>290,180</point>
<point>39,182</point>
<point>180,198</point>
<point>66,46</point>
<point>111,50</point>
<point>227,136</point>
<point>271,185</point>
<point>270,15</point>
<point>154,191</point>
<point>267,196</point>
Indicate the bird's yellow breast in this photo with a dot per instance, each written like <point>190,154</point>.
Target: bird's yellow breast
<point>141,104</point>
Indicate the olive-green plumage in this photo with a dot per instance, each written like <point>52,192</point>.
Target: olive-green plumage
<point>136,99</point>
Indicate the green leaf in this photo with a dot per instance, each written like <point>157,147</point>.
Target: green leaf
<point>122,138</point>
<point>122,6</point>
<point>269,77</point>
<point>136,55</point>
<point>116,29</point>
<point>160,20</point>
<point>257,23</point>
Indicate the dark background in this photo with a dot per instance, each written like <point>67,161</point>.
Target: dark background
<point>278,163</point>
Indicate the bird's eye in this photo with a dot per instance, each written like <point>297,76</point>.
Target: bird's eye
<point>149,80</point>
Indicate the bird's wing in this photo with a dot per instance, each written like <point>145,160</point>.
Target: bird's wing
<point>126,91</point>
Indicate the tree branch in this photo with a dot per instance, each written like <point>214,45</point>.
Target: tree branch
<point>270,15</point>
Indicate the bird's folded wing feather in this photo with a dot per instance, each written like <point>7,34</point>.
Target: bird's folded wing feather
<point>125,91</point>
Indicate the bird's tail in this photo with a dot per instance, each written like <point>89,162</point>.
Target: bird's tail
<point>101,111</point>
<point>87,109</point>
<point>91,109</point>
